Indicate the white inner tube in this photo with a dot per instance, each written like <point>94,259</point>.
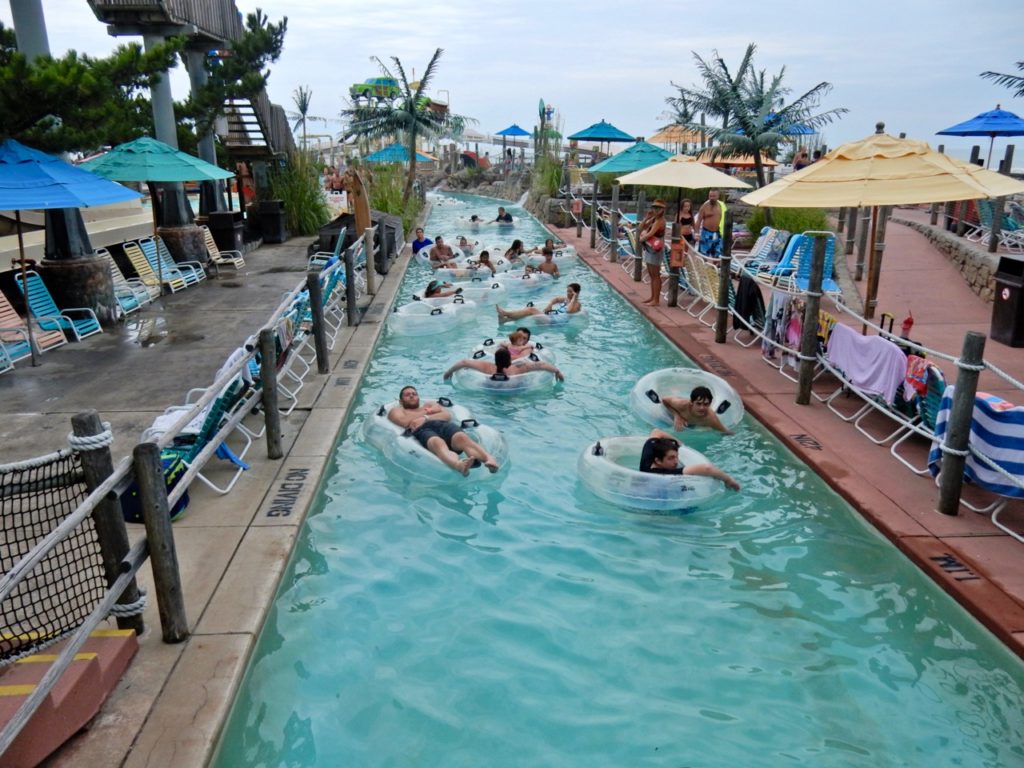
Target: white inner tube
<point>405,453</point>
<point>422,257</point>
<point>555,320</point>
<point>486,348</point>
<point>613,474</point>
<point>511,384</point>
<point>518,282</point>
<point>680,382</point>
<point>564,257</point>
<point>421,318</point>
<point>484,292</point>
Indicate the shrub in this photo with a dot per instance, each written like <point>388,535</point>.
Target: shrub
<point>386,184</point>
<point>297,184</point>
<point>790,219</point>
<point>547,176</point>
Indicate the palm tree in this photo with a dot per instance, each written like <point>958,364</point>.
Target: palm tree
<point>753,109</point>
<point>303,98</point>
<point>1010,81</point>
<point>406,118</point>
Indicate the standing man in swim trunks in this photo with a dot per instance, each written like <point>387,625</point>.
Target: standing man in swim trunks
<point>660,456</point>
<point>431,425</point>
<point>709,224</point>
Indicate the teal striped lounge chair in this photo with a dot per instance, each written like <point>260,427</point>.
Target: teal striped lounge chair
<point>77,322</point>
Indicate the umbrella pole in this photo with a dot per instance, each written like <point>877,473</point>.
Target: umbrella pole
<point>24,283</point>
<point>873,270</point>
<point>991,141</point>
<point>156,248</point>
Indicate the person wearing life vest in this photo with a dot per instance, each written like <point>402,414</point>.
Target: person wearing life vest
<point>711,225</point>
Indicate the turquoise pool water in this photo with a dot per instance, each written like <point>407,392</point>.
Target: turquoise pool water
<point>530,624</point>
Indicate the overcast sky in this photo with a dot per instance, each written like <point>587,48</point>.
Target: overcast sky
<point>910,63</point>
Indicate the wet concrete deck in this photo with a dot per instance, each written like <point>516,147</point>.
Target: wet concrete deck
<point>171,703</point>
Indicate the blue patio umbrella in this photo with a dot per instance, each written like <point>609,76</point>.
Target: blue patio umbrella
<point>512,130</point>
<point>997,122</point>
<point>641,155</point>
<point>395,153</point>
<point>30,179</point>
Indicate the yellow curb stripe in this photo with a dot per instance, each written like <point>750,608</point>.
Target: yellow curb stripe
<point>16,690</point>
<point>111,632</point>
<point>49,658</point>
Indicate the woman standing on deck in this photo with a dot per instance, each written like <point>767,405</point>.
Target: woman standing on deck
<point>652,240</point>
<point>685,220</point>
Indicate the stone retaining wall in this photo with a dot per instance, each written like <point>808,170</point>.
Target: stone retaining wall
<point>977,266</point>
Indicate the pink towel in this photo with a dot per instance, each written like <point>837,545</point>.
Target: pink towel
<point>872,364</point>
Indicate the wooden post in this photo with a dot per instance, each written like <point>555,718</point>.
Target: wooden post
<point>958,428</point>
<point>638,263</point>
<point>316,308</point>
<point>578,215</point>
<point>593,216</point>
<point>163,557</point>
<point>1007,162</point>
<point>862,244</point>
<point>724,282</point>
<point>934,217</point>
<point>614,255</point>
<point>874,267</point>
<point>268,382</point>
<point>673,272</point>
<point>842,220</point>
<point>809,336</point>
<point>97,465</point>
<point>998,204</point>
<point>851,231</point>
<point>351,310</point>
<point>371,267</point>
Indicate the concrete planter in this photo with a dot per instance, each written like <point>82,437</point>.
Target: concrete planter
<point>81,283</point>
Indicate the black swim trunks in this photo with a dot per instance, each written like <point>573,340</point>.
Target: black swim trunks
<point>446,430</point>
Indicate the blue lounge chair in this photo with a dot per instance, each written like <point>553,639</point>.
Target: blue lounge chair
<point>803,258</point>
<point>160,258</point>
<point>78,322</point>
<point>131,295</point>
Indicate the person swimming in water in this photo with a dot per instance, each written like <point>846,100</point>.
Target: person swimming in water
<point>695,411</point>
<point>568,304</point>
<point>518,343</point>
<point>660,456</point>
<point>502,367</point>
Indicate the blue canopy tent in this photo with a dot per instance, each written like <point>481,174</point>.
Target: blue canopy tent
<point>641,155</point>
<point>997,122</point>
<point>396,153</point>
<point>30,179</point>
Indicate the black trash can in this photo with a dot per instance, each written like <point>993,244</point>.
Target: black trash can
<point>227,229</point>
<point>272,221</point>
<point>1008,305</point>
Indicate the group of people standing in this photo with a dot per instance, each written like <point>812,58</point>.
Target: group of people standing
<point>702,230</point>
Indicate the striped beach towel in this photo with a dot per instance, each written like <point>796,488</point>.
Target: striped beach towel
<point>997,432</point>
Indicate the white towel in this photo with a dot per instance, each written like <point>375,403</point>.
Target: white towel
<point>872,364</point>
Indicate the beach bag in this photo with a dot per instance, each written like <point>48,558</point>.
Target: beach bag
<point>174,467</point>
<point>656,244</point>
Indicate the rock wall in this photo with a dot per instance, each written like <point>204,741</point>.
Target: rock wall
<point>977,266</point>
<point>488,184</point>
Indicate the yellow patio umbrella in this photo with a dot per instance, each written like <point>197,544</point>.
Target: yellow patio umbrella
<point>675,134</point>
<point>882,170</point>
<point>684,172</point>
<point>737,161</point>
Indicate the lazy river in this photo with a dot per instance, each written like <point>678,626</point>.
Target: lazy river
<point>526,622</point>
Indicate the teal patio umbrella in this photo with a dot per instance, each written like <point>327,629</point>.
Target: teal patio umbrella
<point>147,160</point>
<point>641,155</point>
